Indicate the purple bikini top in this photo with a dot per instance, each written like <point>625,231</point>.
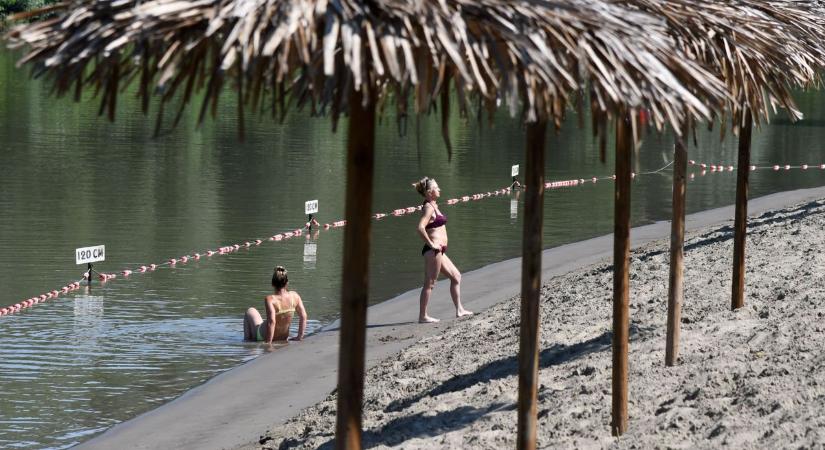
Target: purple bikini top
<point>438,221</point>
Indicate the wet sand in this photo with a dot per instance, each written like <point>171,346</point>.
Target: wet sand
<point>751,378</point>
<point>453,384</point>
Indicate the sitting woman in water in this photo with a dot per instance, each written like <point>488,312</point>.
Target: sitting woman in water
<point>433,230</point>
<point>280,308</point>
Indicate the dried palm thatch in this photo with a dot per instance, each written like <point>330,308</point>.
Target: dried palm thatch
<point>538,57</point>
<point>761,49</point>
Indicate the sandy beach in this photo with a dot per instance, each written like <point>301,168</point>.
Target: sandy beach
<point>747,379</point>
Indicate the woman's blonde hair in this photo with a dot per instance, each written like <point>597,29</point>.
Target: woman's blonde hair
<point>423,185</point>
<point>279,278</point>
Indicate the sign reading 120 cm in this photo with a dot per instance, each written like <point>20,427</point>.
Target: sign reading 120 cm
<point>90,254</point>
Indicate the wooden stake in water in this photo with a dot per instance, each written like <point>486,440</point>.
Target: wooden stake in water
<point>621,275</point>
<point>531,286</point>
<point>675,292</point>
<point>351,354</point>
<point>740,224</point>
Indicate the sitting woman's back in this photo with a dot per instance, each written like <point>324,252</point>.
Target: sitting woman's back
<point>280,308</point>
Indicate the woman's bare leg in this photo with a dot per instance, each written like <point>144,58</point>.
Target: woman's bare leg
<point>432,266</point>
<point>451,271</point>
<point>251,320</point>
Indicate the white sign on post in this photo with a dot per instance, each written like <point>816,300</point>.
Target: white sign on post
<point>311,207</point>
<point>514,170</point>
<point>87,255</point>
<point>514,208</point>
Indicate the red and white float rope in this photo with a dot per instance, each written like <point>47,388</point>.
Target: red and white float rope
<point>228,249</point>
<point>775,167</point>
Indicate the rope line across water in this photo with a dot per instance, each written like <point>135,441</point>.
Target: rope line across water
<point>227,249</point>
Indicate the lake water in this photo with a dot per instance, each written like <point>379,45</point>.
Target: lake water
<point>75,366</point>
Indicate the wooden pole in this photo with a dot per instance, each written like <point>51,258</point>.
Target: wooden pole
<point>621,275</point>
<point>360,161</point>
<point>675,293</point>
<point>531,286</point>
<point>741,215</point>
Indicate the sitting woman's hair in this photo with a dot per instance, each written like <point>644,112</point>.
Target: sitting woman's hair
<point>423,185</point>
<point>279,278</point>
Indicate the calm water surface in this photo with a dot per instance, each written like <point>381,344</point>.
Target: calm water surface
<point>73,367</point>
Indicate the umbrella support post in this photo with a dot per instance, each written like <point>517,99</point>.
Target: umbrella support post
<point>677,248</point>
<point>741,215</point>
<point>621,276</point>
<point>531,286</point>
<point>354,290</point>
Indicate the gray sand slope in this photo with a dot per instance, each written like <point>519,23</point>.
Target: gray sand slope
<point>237,406</point>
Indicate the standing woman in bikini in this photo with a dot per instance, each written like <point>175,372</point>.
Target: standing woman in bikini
<point>433,230</point>
<point>280,307</point>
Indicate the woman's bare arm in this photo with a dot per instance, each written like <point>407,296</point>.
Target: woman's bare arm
<point>426,213</point>
<point>302,317</point>
<point>270,319</point>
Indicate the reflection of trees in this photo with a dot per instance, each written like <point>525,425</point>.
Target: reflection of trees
<point>79,178</point>
<point>206,182</point>
<point>8,7</point>
<point>785,143</point>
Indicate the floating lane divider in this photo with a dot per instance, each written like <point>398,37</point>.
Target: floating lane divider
<point>718,168</point>
<point>42,298</point>
<point>228,249</point>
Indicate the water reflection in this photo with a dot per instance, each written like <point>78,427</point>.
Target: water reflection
<point>514,197</point>
<point>311,250</point>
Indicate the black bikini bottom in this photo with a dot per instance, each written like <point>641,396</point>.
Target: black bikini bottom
<point>428,248</point>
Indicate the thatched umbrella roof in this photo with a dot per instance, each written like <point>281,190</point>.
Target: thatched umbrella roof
<point>761,49</point>
<point>535,56</point>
